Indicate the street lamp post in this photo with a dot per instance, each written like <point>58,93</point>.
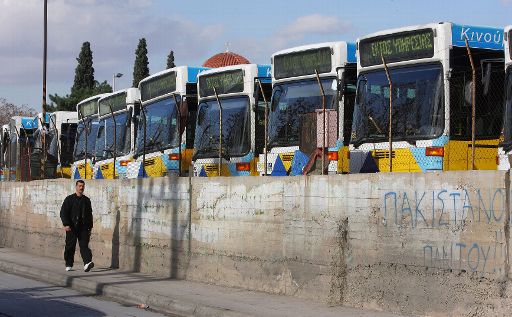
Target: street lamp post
<point>118,75</point>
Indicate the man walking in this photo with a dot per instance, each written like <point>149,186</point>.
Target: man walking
<point>76,216</point>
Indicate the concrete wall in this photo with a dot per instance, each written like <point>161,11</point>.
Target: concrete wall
<point>411,243</point>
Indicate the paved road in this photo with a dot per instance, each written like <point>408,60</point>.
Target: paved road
<point>20,297</point>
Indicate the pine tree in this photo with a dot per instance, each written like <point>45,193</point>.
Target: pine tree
<point>170,60</point>
<point>84,72</point>
<point>140,68</point>
<point>84,85</point>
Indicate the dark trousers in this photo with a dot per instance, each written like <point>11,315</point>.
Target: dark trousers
<point>83,236</point>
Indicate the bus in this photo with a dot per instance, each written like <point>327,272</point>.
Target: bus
<point>296,115</point>
<point>63,128</point>
<point>430,70</point>
<point>232,93</point>
<point>36,151</point>
<point>87,130</point>
<point>4,144</point>
<point>506,147</point>
<point>116,134</point>
<point>166,124</point>
<point>21,143</point>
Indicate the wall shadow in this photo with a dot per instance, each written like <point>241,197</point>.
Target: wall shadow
<point>115,241</point>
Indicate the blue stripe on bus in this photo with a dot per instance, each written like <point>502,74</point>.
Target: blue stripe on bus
<point>265,73</point>
<point>351,53</point>
<point>28,123</point>
<point>193,72</point>
<point>478,36</point>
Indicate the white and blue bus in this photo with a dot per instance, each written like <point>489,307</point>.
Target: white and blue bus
<point>59,134</point>
<point>115,141</point>
<point>166,124</point>
<point>296,115</point>
<point>87,130</point>
<point>21,144</point>
<point>234,93</point>
<point>431,118</point>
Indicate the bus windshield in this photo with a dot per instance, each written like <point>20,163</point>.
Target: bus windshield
<point>235,128</point>
<point>418,105</point>
<point>105,140</point>
<point>290,101</point>
<point>161,126</point>
<point>507,143</point>
<point>87,130</point>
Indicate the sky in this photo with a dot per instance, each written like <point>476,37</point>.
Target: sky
<point>194,30</point>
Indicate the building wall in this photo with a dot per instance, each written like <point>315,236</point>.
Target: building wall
<point>411,243</point>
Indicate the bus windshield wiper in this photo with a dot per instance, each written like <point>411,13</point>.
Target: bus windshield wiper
<point>375,124</point>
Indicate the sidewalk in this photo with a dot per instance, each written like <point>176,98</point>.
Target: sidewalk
<point>176,297</point>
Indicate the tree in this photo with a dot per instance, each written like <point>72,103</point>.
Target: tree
<point>140,68</point>
<point>84,85</point>
<point>9,110</point>
<point>69,102</point>
<point>84,72</point>
<point>170,60</point>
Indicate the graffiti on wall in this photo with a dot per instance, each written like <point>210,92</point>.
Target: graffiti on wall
<point>461,229</point>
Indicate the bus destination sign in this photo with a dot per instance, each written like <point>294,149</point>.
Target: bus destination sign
<point>397,47</point>
<point>117,102</point>
<point>227,82</point>
<point>303,63</point>
<point>158,86</point>
<point>88,108</point>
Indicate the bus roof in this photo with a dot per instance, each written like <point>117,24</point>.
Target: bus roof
<point>23,122</point>
<point>192,72</point>
<point>478,36</point>
<point>351,49</point>
<point>98,96</point>
<point>132,95</point>
<point>263,69</point>
<point>38,117</point>
<point>64,117</point>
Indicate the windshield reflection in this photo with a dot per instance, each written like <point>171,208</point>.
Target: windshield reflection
<point>418,107</point>
<point>235,128</point>
<point>88,130</point>
<point>161,126</point>
<point>290,101</point>
<point>105,139</point>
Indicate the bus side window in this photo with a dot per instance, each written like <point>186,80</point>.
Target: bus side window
<point>260,114</point>
<point>489,93</point>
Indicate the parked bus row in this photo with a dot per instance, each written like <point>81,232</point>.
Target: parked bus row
<point>399,100</point>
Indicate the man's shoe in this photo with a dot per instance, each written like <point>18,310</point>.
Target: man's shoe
<point>88,266</point>
<point>68,268</point>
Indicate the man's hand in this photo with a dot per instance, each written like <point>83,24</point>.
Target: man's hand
<point>67,228</point>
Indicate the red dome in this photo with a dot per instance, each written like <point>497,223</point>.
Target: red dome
<point>225,59</point>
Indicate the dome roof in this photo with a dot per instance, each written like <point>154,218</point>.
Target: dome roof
<point>225,59</point>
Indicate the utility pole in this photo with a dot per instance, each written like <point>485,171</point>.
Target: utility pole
<point>45,51</point>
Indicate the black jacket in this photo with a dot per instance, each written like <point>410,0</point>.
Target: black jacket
<point>76,212</point>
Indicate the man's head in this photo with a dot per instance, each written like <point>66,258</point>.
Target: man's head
<point>79,187</point>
